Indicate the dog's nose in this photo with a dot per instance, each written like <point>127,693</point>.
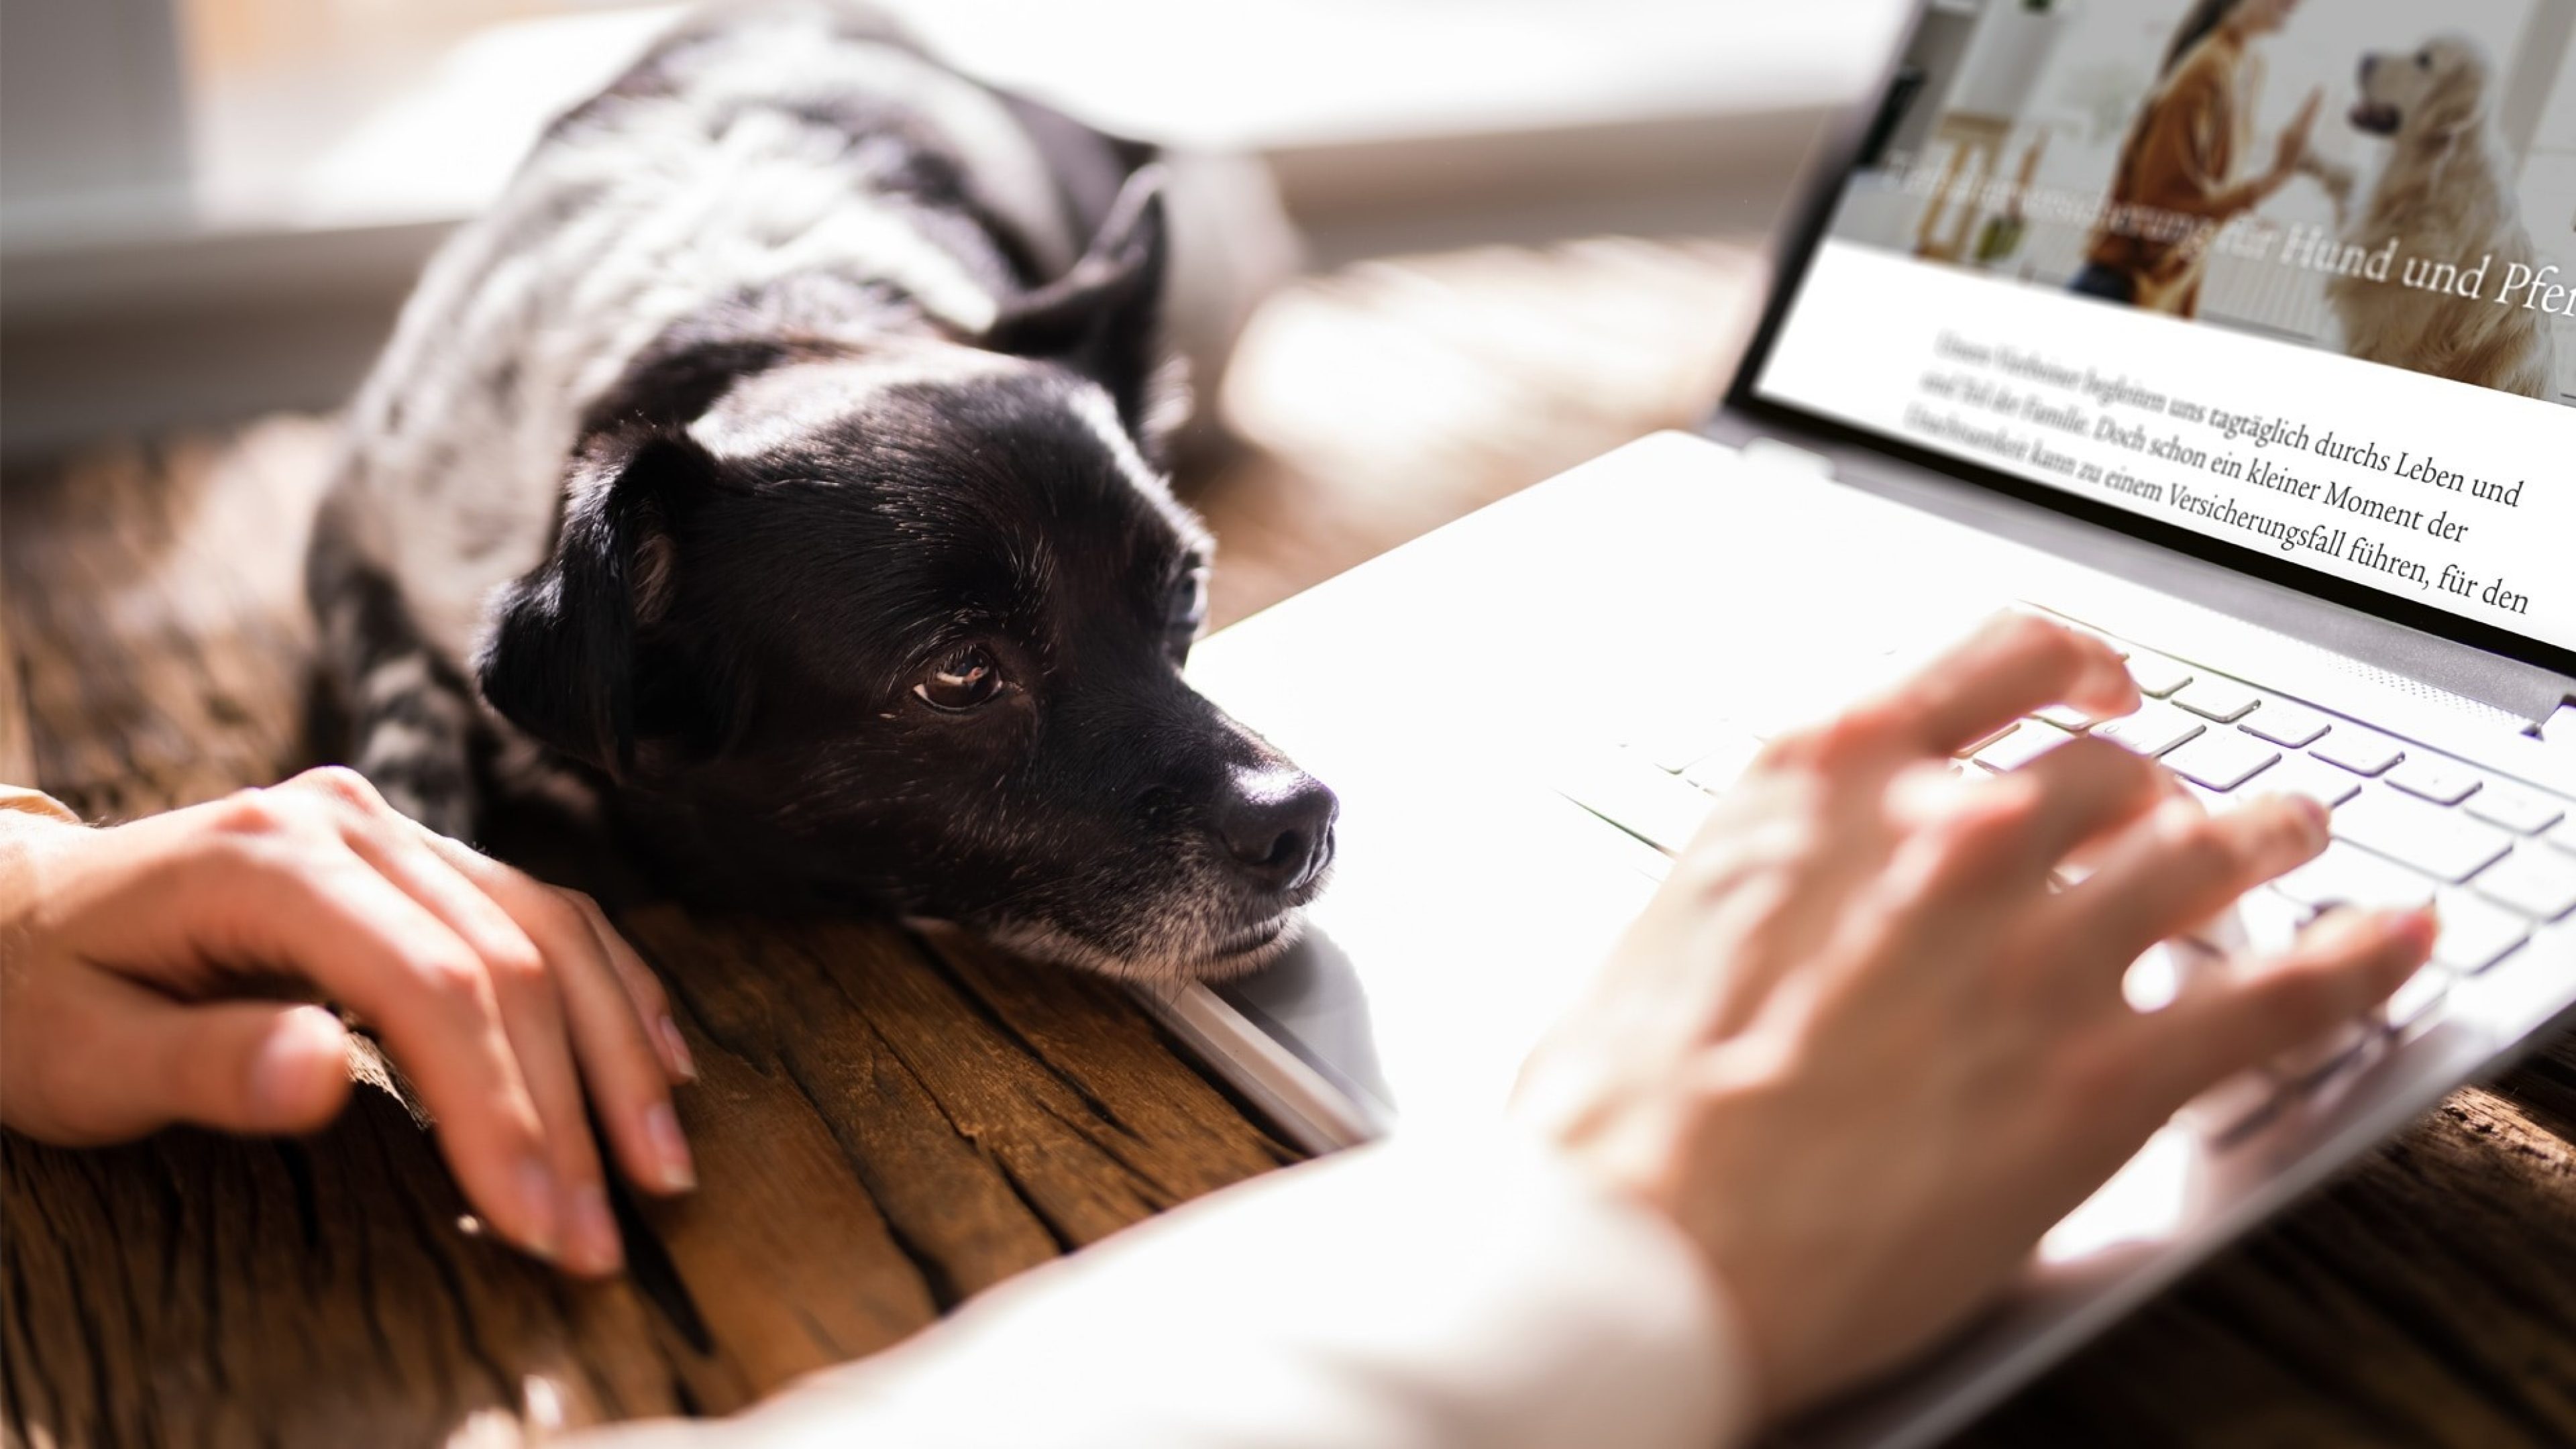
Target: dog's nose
<point>1278,826</point>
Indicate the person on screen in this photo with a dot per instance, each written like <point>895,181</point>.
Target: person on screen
<point>2181,159</point>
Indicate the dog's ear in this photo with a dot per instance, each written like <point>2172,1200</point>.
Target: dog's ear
<point>2457,106</point>
<point>1104,317</point>
<point>560,660</point>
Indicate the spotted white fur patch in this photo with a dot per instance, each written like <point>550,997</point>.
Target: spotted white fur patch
<point>391,743</point>
<point>393,679</point>
<point>668,206</point>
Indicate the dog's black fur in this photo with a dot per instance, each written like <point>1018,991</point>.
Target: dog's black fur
<point>849,605</point>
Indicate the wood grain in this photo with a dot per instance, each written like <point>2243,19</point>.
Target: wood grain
<point>2427,1298</point>
<point>888,1122</point>
<point>885,1123</point>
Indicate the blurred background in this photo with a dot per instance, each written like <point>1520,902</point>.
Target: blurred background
<point>1531,226</point>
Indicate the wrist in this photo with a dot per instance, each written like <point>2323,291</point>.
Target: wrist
<point>28,823</point>
<point>1646,1251</point>
<point>1675,1154</point>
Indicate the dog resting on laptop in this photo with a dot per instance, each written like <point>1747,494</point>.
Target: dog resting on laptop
<point>779,458</point>
<point>2445,194</point>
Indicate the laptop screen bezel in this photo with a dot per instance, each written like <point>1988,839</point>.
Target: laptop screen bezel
<point>1802,233</point>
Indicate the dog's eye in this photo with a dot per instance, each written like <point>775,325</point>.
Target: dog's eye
<point>1186,613</point>
<point>965,679</point>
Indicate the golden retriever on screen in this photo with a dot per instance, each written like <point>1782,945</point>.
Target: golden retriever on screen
<point>2444,195</point>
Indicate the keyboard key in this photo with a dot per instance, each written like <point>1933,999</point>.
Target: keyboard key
<point>2299,775</point>
<point>2417,999</point>
<point>2441,843</point>
<point>1671,744</point>
<point>2222,760</point>
<point>2154,729</point>
<point>2223,700</point>
<point>1642,858</point>
<point>2156,675</point>
<point>2025,744</point>
<point>1717,771</point>
<point>2517,810</point>
<point>2347,875</point>
<point>2539,883</point>
<point>2564,837</point>
<point>2433,778</point>
<point>2153,980</point>
<point>2476,935</point>
<point>2066,717</point>
<point>1983,740</point>
<point>1635,795</point>
<point>2284,723</point>
<point>2358,750</point>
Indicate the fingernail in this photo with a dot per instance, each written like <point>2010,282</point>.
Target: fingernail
<point>2316,823</point>
<point>676,1047</point>
<point>290,1064</point>
<point>535,1185</point>
<point>670,1149</point>
<point>2418,928</point>
<point>2320,819</point>
<point>595,1245</point>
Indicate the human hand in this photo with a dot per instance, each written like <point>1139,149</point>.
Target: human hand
<point>2292,148</point>
<point>1863,1054</point>
<point>142,988</point>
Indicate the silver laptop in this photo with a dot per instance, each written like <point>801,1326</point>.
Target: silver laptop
<point>2351,578</point>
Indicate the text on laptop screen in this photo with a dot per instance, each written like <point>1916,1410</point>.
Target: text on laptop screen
<point>2299,275</point>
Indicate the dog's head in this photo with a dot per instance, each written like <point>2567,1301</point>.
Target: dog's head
<point>904,626</point>
<point>2436,94</point>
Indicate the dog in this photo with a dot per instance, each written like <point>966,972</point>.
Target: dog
<point>2442,195</point>
<point>780,460</point>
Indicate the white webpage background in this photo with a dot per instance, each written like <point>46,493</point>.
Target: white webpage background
<point>1867,331</point>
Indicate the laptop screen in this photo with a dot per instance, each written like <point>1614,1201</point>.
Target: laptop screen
<point>2296,277</point>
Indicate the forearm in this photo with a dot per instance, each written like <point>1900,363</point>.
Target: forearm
<point>1459,1292</point>
<point>2226,203</point>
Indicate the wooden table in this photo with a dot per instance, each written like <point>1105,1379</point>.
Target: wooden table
<point>885,1123</point>
<point>888,1122</point>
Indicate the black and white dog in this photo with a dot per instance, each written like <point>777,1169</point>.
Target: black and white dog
<point>780,455</point>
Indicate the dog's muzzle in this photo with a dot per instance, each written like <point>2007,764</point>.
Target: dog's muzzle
<point>1277,828</point>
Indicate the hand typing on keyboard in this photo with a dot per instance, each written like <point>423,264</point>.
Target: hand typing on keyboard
<point>1863,1052</point>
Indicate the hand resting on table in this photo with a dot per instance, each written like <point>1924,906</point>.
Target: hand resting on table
<point>154,971</point>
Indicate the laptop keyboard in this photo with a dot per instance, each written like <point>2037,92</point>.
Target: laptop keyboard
<point>2410,825</point>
